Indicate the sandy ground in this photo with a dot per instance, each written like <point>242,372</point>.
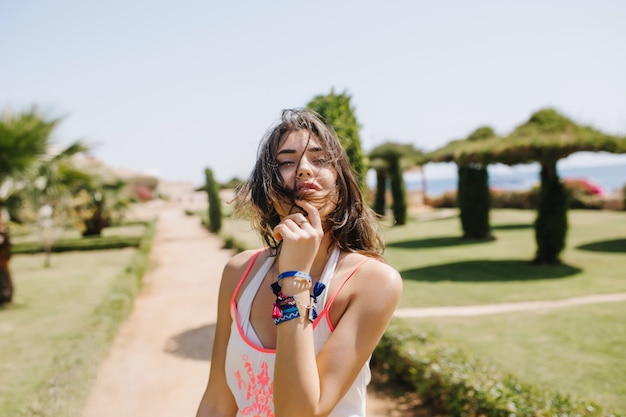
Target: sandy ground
<point>159,362</point>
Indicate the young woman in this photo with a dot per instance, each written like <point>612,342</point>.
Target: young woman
<point>298,320</point>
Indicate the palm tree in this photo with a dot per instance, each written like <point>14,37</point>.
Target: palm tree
<point>50,186</point>
<point>23,139</point>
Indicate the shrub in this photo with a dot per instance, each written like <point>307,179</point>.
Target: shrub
<point>457,384</point>
<point>514,199</point>
<point>445,200</point>
<point>85,243</point>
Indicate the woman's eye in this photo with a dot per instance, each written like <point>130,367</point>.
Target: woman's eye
<point>285,163</point>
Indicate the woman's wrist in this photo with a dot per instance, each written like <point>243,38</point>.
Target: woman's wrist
<point>291,286</point>
<point>290,302</point>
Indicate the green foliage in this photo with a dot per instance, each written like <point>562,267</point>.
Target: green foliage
<point>85,243</point>
<point>24,137</point>
<point>338,112</point>
<point>551,222</point>
<point>230,242</point>
<point>473,184</point>
<point>458,384</point>
<point>215,202</point>
<point>381,187</point>
<point>390,160</point>
<point>232,183</point>
<point>547,135</point>
<point>474,201</point>
<point>399,204</point>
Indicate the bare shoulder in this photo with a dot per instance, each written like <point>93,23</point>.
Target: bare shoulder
<point>241,259</point>
<point>376,278</point>
<point>237,265</point>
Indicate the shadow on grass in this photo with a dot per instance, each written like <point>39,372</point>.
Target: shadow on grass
<point>615,245</point>
<point>435,242</point>
<point>489,271</point>
<point>511,226</point>
<point>193,343</point>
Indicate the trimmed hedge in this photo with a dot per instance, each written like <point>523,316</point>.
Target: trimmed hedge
<point>84,243</point>
<point>457,384</point>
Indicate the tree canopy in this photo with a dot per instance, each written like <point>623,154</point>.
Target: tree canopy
<point>338,112</point>
<point>546,136</point>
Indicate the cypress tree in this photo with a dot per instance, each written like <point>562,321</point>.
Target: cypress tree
<point>215,203</point>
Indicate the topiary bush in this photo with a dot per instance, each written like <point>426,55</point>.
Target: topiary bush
<point>474,201</point>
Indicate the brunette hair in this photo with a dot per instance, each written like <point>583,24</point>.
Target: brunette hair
<point>353,224</point>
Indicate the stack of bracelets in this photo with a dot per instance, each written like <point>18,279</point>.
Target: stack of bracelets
<point>288,307</point>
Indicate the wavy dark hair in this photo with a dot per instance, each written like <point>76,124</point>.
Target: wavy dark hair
<point>353,223</point>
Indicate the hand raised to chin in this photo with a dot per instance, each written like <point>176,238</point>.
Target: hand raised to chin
<point>301,235</point>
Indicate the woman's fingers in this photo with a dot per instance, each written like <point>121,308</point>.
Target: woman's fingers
<point>301,233</point>
<point>313,215</point>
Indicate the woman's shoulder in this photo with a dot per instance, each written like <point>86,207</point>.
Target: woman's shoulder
<point>374,286</point>
<point>239,262</point>
<point>374,271</point>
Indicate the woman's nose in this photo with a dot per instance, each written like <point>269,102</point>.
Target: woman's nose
<point>304,168</point>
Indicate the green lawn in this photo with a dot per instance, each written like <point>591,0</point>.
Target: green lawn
<point>441,269</point>
<point>577,350</point>
<point>54,334</point>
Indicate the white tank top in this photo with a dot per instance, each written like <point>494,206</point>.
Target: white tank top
<point>249,366</point>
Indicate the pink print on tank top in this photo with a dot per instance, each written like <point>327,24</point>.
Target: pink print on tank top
<point>259,390</point>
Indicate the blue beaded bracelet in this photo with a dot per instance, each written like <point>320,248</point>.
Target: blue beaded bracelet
<point>296,275</point>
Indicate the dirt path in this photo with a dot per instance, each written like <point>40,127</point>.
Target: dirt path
<point>159,362</point>
<point>478,310</point>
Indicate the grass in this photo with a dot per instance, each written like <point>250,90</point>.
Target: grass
<point>60,325</point>
<point>442,269</point>
<point>576,350</point>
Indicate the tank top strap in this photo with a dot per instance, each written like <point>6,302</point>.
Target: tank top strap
<point>327,276</point>
<point>348,276</point>
<point>244,306</point>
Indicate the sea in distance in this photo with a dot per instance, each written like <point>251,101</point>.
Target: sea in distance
<point>611,177</point>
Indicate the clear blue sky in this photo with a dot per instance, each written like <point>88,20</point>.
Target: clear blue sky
<point>174,87</point>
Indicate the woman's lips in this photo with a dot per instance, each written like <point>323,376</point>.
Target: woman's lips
<point>306,187</point>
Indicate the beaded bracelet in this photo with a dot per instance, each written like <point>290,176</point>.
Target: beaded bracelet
<point>297,275</point>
